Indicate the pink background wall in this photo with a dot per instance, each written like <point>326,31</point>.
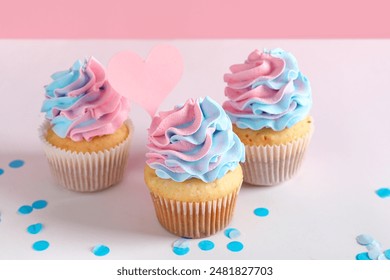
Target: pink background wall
<point>194,19</point>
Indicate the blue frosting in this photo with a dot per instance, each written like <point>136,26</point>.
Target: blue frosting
<point>293,107</point>
<point>225,153</point>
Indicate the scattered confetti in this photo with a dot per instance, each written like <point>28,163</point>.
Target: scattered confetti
<point>364,239</point>
<point>16,163</point>
<point>39,204</point>
<point>181,243</point>
<point>232,233</point>
<point>235,246</point>
<point>373,247</point>
<point>100,250</point>
<point>25,209</point>
<point>180,251</point>
<point>362,256</point>
<point>206,245</point>
<point>261,212</point>
<point>181,246</point>
<point>35,228</point>
<point>40,245</point>
<point>1,171</point>
<point>383,192</point>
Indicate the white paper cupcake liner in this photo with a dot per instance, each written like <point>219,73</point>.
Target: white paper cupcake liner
<point>271,165</point>
<point>195,219</point>
<point>87,172</point>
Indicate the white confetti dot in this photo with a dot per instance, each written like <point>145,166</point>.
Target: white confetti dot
<point>374,245</point>
<point>181,243</point>
<point>364,239</point>
<point>374,253</point>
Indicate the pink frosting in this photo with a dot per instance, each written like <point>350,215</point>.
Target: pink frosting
<point>168,123</point>
<point>85,107</point>
<point>267,90</point>
<point>258,67</point>
<point>193,141</point>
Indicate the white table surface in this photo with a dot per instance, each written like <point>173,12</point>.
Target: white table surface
<point>315,215</point>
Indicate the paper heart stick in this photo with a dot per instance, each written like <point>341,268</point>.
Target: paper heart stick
<point>147,82</point>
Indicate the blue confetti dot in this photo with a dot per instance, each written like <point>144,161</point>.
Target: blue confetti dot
<point>25,209</point>
<point>206,245</point>
<point>387,254</point>
<point>362,256</point>
<point>100,250</point>
<point>235,246</point>
<point>40,245</point>
<point>180,251</point>
<point>35,228</point>
<point>39,204</point>
<point>1,171</point>
<point>16,163</point>
<point>261,212</point>
<point>232,233</point>
<point>383,192</point>
<point>364,239</point>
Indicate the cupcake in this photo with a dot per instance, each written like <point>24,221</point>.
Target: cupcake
<point>269,104</point>
<point>193,171</point>
<point>87,132</point>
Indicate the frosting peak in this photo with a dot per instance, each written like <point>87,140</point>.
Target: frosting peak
<point>81,104</point>
<point>267,90</point>
<point>193,141</point>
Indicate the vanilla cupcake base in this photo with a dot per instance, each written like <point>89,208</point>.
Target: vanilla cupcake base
<point>195,219</point>
<point>193,208</point>
<point>271,165</point>
<point>87,172</point>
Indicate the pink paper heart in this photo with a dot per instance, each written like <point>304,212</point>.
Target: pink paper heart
<point>147,82</point>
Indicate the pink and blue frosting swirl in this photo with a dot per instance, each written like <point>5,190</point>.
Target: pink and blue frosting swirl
<point>267,90</point>
<point>195,140</point>
<point>81,104</point>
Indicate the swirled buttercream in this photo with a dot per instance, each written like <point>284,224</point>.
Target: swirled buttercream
<point>268,90</point>
<point>81,104</point>
<point>193,141</point>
